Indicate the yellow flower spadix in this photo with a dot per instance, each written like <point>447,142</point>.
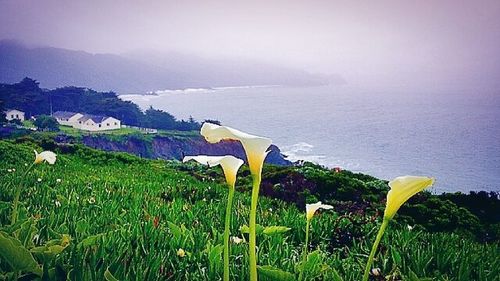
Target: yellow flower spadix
<point>402,189</point>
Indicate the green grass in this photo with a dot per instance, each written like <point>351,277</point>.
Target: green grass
<point>68,130</point>
<point>136,200</point>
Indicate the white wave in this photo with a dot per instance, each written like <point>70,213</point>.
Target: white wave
<point>183,91</point>
<point>246,87</point>
<point>301,151</point>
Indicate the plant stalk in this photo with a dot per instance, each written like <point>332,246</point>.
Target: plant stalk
<point>304,255</point>
<point>380,233</point>
<point>252,239</point>
<point>226,232</point>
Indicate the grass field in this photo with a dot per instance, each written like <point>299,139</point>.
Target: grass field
<point>128,217</point>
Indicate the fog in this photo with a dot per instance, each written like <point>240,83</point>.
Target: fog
<point>447,46</point>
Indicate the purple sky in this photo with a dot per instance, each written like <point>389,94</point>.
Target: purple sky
<point>421,44</point>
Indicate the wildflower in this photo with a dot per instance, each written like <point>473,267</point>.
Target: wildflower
<point>402,189</point>
<point>230,166</point>
<point>181,253</point>
<point>312,208</point>
<point>375,271</point>
<point>57,203</point>
<point>13,169</point>
<point>236,240</point>
<point>48,156</point>
<point>9,170</point>
<point>256,151</point>
<point>255,147</point>
<point>91,200</point>
<point>410,228</point>
<point>39,179</point>
<point>58,180</point>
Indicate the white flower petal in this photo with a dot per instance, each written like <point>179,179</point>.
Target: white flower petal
<point>230,164</point>
<point>312,208</point>
<point>255,146</point>
<point>402,189</point>
<point>48,156</point>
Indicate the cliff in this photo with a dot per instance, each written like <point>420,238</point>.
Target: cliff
<point>164,147</point>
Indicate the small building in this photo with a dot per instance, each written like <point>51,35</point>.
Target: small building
<point>90,122</point>
<point>67,118</point>
<point>13,114</point>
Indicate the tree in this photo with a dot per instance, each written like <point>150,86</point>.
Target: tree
<point>2,113</point>
<point>46,123</point>
<point>159,119</point>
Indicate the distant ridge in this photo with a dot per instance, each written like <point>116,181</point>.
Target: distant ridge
<point>132,73</point>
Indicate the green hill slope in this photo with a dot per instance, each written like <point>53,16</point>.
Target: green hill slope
<point>129,217</point>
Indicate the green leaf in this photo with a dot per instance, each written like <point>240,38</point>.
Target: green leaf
<point>334,275</point>
<point>26,232</point>
<point>268,272</point>
<point>271,230</point>
<point>176,230</point>
<point>17,256</point>
<point>396,257</point>
<point>214,257</point>
<point>258,229</point>
<point>108,276</point>
<point>313,265</point>
<point>91,240</point>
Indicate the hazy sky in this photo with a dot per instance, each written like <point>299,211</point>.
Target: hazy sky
<point>452,44</point>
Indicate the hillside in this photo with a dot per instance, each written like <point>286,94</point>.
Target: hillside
<point>113,213</point>
<point>139,73</point>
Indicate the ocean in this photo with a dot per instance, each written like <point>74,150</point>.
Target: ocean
<point>452,137</point>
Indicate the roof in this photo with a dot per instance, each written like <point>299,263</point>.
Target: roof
<point>64,114</point>
<point>13,109</point>
<point>95,118</point>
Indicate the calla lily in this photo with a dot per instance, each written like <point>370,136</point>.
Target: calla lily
<point>45,156</point>
<point>230,164</point>
<point>402,189</point>
<point>255,146</point>
<point>48,156</point>
<point>312,208</point>
<point>256,151</point>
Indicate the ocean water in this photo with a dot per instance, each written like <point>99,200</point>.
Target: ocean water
<point>452,137</point>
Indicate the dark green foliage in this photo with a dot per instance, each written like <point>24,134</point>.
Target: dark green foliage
<point>2,113</point>
<point>46,123</point>
<point>29,97</point>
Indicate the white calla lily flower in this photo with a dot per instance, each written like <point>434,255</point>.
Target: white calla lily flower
<point>230,164</point>
<point>48,156</point>
<point>402,189</point>
<point>255,146</point>
<point>312,208</point>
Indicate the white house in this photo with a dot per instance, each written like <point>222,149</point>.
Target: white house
<point>67,118</point>
<point>97,123</point>
<point>12,114</point>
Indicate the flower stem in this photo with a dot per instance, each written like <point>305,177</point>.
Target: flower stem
<point>385,222</point>
<point>226,232</point>
<point>304,255</point>
<point>18,194</point>
<point>252,239</point>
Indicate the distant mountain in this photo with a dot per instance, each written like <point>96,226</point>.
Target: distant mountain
<point>140,72</point>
